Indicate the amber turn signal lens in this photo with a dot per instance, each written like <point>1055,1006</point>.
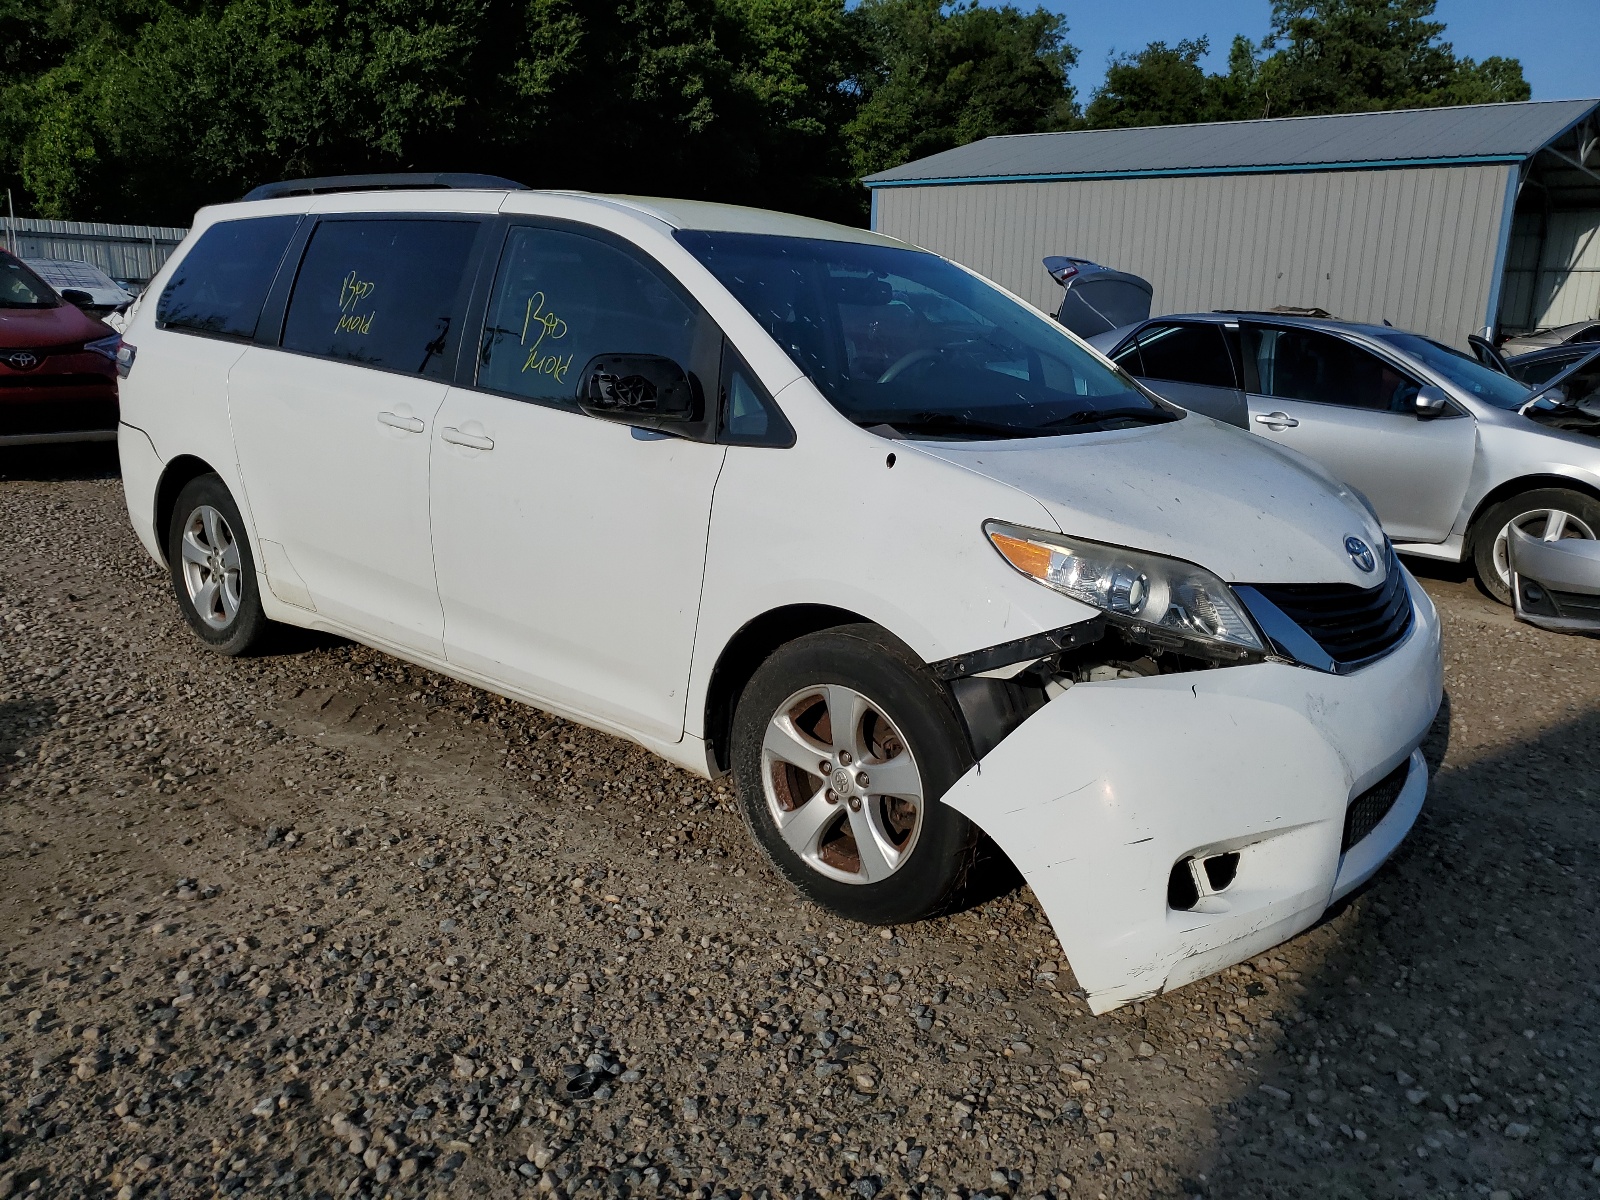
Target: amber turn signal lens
<point>1028,557</point>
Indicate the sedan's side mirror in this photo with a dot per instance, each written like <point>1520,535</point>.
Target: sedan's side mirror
<point>648,390</point>
<point>1430,402</point>
<point>78,299</point>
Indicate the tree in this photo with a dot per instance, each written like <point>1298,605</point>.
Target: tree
<point>937,76</point>
<point>1166,85</point>
<point>1355,55</point>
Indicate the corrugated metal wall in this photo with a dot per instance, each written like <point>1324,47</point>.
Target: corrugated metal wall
<point>1553,272</point>
<point>1416,246</point>
<point>127,252</point>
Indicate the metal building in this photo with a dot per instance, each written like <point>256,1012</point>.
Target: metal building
<point>131,253</point>
<point>1440,220</point>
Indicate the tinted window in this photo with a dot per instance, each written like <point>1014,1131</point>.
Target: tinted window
<point>1462,369</point>
<point>21,288</point>
<point>1094,306</point>
<point>1301,364</point>
<point>560,298</point>
<point>381,293</point>
<point>1186,354</point>
<point>222,282</point>
<point>903,338</point>
<point>1546,369</point>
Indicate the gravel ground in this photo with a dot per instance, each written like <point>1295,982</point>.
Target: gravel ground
<point>323,924</point>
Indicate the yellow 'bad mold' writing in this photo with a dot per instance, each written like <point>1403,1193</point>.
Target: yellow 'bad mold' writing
<point>351,293</point>
<point>544,325</point>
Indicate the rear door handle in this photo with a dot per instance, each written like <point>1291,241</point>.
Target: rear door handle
<point>1276,420</point>
<point>395,421</point>
<point>473,441</point>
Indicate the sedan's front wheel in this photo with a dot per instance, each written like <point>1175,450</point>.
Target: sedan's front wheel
<point>842,746</point>
<point>1550,514</point>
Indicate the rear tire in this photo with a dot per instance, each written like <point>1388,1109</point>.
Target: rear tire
<point>810,791</point>
<point>213,570</point>
<point>1577,515</point>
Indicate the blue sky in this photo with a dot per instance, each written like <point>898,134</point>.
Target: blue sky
<point>1558,41</point>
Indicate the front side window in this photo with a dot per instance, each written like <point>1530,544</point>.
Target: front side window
<point>560,298</point>
<point>904,339</point>
<point>1464,370</point>
<point>1303,364</point>
<point>21,288</point>
<point>1183,353</point>
<point>219,287</point>
<point>382,293</point>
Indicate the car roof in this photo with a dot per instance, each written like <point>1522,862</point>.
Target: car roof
<point>671,212</point>
<point>1564,350</point>
<point>1324,324</point>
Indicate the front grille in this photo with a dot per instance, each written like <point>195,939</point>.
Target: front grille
<point>57,416</point>
<point>1576,605</point>
<point>43,379</point>
<point>1352,625</point>
<point>1373,805</point>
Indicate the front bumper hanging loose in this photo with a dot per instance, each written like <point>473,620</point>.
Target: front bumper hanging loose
<point>1105,791</point>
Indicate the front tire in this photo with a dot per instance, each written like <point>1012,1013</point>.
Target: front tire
<point>213,570</point>
<point>843,745</point>
<point>1550,513</point>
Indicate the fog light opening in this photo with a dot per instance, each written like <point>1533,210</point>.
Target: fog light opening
<point>1182,891</point>
<point>1220,870</point>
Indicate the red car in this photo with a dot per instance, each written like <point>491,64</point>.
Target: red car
<point>58,366</point>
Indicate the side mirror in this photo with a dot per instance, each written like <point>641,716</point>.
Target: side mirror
<point>648,390</point>
<point>79,299</point>
<point>1430,402</point>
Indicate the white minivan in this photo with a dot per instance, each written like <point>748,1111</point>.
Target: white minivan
<point>806,505</point>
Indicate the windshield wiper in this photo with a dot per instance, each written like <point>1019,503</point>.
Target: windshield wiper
<point>938,422</point>
<point>1090,416</point>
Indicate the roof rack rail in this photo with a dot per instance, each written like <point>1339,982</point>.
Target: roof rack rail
<point>398,181</point>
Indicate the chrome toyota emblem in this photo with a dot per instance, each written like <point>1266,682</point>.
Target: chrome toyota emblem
<point>1361,554</point>
<point>21,360</point>
<point>841,780</point>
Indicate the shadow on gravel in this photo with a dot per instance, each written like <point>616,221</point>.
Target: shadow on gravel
<point>1447,1045</point>
<point>85,460</point>
<point>22,724</point>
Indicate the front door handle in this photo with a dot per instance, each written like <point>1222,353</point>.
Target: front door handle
<point>396,421</point>
<point>1276,420</point>
<point>474,441</point>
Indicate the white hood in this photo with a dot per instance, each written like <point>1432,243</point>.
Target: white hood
<point>1194,489</point>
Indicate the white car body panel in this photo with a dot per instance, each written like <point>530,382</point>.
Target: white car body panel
<point>562,496</point>
<point>680,545</point>
<point>1097,795</point>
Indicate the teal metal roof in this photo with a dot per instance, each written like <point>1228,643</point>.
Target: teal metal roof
<point>1465,135</point>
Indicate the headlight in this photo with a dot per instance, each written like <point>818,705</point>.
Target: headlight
<point>1167,595</point>
<point>106,346</point>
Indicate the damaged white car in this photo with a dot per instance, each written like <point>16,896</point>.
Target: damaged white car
<point>807,505</point>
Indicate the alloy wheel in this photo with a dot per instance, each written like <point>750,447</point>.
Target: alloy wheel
<point>841,784</point>
<point>211,566</point>
<point>1545,524</point>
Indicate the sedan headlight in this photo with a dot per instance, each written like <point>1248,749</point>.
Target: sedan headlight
<point>1165,595</point>
<point>106,346</point>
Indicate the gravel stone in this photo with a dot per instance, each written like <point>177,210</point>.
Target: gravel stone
<point>320,923</point>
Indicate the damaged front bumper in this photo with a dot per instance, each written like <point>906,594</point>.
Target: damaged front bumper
<point>1123,804</point>
<point>1555,585</point>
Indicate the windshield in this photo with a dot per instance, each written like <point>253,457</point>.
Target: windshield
<point>21,288</point>
<point>904,339</point>
<point>1462,369</point>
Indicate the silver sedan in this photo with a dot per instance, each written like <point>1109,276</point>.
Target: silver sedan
<point>1452,454</point>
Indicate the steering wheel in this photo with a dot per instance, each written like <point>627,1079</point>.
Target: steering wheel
<point>906,361</point>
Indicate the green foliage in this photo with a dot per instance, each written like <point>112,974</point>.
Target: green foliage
<point>1322,56</point>
<point>141,110</point>
<point>937,76</point>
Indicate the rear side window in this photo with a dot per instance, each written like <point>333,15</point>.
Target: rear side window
<point>221,284</point>
<point>381,293</point>
<point>1186,354</point>
<point>560,298</point>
